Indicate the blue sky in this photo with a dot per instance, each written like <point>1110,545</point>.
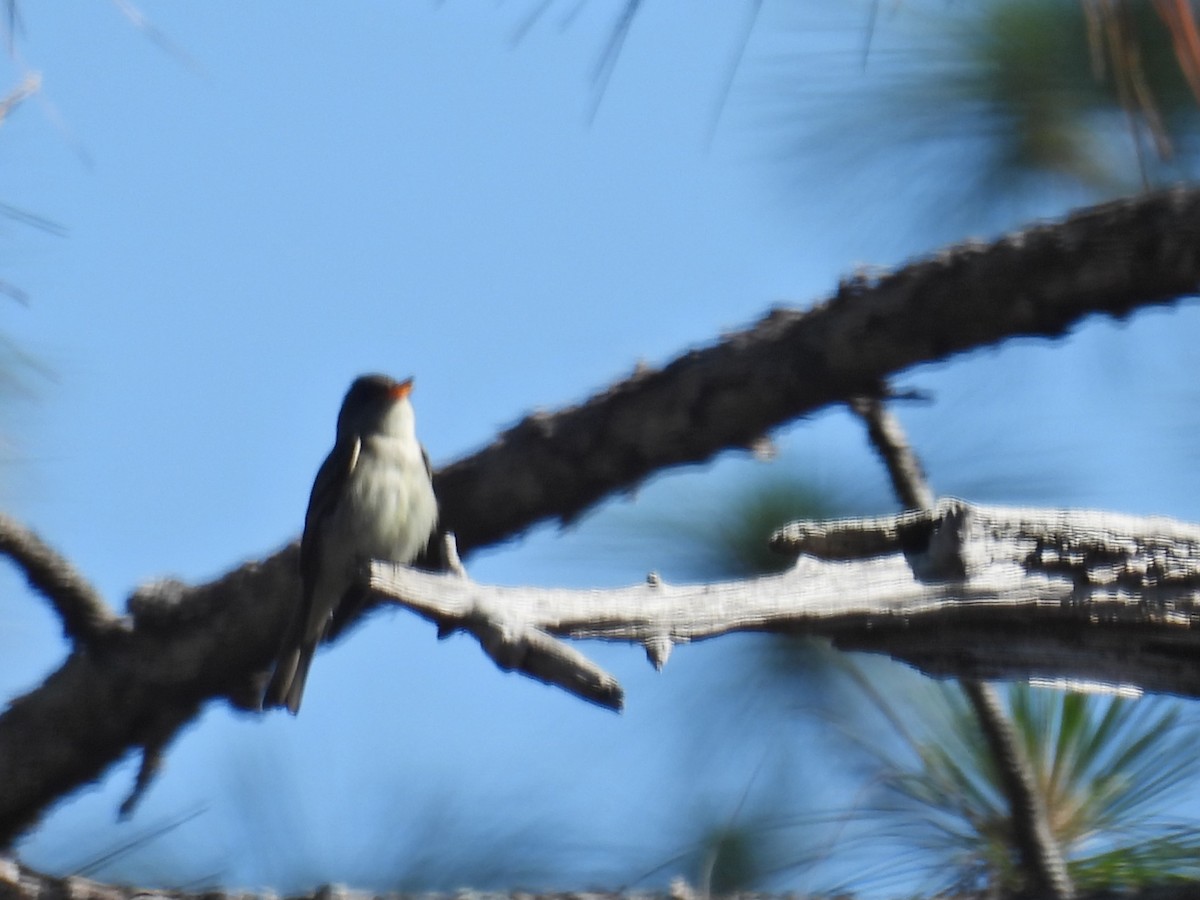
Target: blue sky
<point>306,193</point>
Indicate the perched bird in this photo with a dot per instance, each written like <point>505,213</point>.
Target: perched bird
<point>372,499</point>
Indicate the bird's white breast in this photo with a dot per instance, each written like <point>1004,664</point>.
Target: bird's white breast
<point>389,504</point>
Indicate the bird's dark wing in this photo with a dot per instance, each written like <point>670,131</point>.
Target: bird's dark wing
<point>327,489</point>
<point>286,685</point>
<point>433,557</point>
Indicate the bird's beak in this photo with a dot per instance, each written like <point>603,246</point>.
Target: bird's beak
<point>402,390</point>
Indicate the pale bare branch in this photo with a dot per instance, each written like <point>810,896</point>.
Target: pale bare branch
<point>960,590</point>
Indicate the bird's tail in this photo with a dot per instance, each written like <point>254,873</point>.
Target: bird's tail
<point>286,687</point>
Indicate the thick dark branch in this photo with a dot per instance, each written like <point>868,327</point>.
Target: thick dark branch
<point>1043,281</point>
<point>191,645</point>
<point>180,648</point>
<point>85,615</point>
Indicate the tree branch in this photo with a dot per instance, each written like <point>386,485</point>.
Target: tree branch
<point>1041,857</point>
<point>962,590</point>
<point>888,438</point>
<point>179,648</point>
<point>85,616</point>
<point>189,645</point>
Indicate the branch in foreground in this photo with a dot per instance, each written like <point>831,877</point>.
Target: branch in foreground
<point>191,645</point>
<point>965,591</point>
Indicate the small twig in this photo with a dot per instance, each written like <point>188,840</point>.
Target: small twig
<point>888,438</point>
<point>84,614</point>
<point>150,767</point>
<point>453,562</point>
<point>158,735</point>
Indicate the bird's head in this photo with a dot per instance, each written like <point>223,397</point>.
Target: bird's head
<point>376,403</point>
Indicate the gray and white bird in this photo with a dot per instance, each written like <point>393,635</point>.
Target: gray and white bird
<point>372,499</point>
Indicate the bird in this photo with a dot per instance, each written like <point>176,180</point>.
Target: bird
<point>372,498</point>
